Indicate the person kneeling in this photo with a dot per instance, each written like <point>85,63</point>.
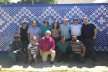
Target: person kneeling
<point>77,49</point>
<point>62,49</point>
<point>32,50</point>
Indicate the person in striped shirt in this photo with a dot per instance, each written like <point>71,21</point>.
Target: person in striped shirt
<point>77,49</point>
<point>32,50</point>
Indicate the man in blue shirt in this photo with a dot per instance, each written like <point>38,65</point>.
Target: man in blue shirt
<point>65,29</point>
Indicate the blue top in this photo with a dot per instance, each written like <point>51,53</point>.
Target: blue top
<point>65,30</point>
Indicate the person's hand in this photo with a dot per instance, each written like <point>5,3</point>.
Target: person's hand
<point>41,53</point>
<point>83,55</point>
<point>94,37</point>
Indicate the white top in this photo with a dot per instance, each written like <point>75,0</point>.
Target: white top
<point>76,29</point>
<point>33,48</point>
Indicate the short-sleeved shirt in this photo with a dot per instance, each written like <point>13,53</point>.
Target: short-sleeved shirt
<point>34,32</point>
<point>55,33</point>
<point>33,48</point>
<point>65,30</point>
<point>76,30</point>
<point>77,46</point>
<point>44,29</point>
<point>62,47</point>
<point>88,31</point>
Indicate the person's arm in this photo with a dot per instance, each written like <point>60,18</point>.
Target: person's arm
<point>83,49</point>
<point>53,45</point>
<point>19,31</point>
<point>83,52</point>
<point>95,33</point>
<point>28,34</point>
<point>39,33</point>
<point>40,47</point>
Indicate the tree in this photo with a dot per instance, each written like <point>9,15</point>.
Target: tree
<point>37,2</point>
<point>4,1</point>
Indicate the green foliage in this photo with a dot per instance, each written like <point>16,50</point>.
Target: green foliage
<point>4,1</point>
<point>38,2</point>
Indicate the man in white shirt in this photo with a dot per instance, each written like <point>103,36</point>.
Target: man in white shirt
<point>76,29</point>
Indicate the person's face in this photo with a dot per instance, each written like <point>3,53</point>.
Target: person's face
<point>25,25</point>
<point>85,21</point>
<point>75,22</point>
<point>55,24</point>
<point>45,24</point>
<point>65,22</point>
<point>74,38</point>
<point>48,34</point>
<point>34,23</point>
<point>17,39</point>
<point>33,42</point>
<point>63,39</point>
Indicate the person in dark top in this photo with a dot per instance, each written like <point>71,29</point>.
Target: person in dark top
<point>89,32</point>
<point>15,48</point>
<point>62,49</point>
<point>24,37</point>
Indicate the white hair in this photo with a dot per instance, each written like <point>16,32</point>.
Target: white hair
<point>48,31</point>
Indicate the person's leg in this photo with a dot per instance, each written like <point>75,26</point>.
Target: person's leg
<point>65,57</point>
<point>59,56</point>
<point>92,50</point>
<point>13,55</point>
<point>30,58</point>
<point>86,44</point>
<point>80,58</point>
<point>53,53</point>
<point>44,56</point>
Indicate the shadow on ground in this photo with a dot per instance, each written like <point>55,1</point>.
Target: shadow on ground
<point>102,60</point>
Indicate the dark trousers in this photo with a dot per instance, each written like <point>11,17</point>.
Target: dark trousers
<point>62,56</point>
<point>25,44</point>
<point>89,44</point>
<point>78,57</point>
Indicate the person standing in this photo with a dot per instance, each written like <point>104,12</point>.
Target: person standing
<point>55,31</point>
<point>24,37</point>
<point>44,28</point>
<point>47,47</point>
<point>65,29</point>
<point>89,32</point>
<point>34,31</point>
<point>76,29</point>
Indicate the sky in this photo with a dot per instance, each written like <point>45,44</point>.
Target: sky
<point>15,1</point>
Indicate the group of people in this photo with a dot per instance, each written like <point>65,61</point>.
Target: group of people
<point>64,41</point>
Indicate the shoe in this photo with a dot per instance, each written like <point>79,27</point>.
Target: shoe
<point>52,62</point>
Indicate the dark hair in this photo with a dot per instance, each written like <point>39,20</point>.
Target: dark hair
<point>84,18</point>
<point>75,20</point>
<point>62,37</point>
<point>25,23</point>
<point>46,22</point>
<point>57,25</point>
